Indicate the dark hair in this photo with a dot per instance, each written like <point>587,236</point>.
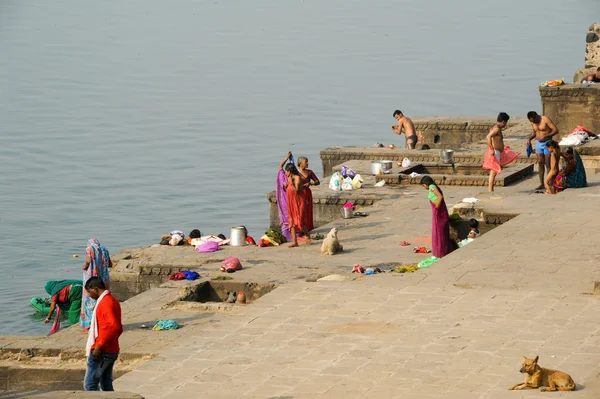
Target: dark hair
<point>503,117</point>
<point>473,223</point>
<point>429,181</point>
<point>598,69</point>
<point>570,151</point>
<point>95,282</point>
<point>397,112</point>
<point>552,144</point>
<point>195,233</point>
<point>425,147</point>
<point>222,236</point>
<point>532,115</point>
<point>291,168</point>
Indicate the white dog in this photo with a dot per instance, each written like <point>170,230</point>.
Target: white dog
<point>331,245</point>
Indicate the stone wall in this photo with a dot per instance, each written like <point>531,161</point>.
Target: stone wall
<point>325,210</point>
<point>572,105</point>
<point>333,156</point>
<point>451,133</point>
<point>592,53</point>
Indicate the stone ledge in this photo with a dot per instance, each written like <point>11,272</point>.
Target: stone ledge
<point>71,395</point>
<point>570,90</point>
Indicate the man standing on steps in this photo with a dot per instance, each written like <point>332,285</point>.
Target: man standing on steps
<point>102,348</point>
<point>543,131</point>
<point>404,123</point>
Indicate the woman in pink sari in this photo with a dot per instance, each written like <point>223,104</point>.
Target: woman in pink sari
<point>280,192</point>
<point>441,244</point>
<point>97,262</point>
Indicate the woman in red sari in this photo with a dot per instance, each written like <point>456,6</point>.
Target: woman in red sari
<point>296,203</point>
<point>310,179</point>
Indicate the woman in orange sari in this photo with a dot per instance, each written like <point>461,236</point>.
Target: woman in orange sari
<point>296,202</point>
<point>310,179</point>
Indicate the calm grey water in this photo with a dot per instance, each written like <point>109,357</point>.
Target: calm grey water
<point>124,120</point>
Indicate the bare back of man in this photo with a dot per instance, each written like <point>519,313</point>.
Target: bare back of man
<point>543,131</point>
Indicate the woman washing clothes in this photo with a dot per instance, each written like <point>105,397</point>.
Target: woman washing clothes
<point>65,297</point>
<point>310,180</point>
<point>296,203</point>
<point>441,244</point>
<point>97,262</point>
<point>572,174</point>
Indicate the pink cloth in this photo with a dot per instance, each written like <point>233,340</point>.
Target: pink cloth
<point>507,156</point>
<point>209,246</point>
<point>231,262</point>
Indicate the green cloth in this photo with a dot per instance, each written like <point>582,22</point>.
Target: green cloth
<point>432,196</point>
<point>53,286</point>
<point>428,262</point>
<point>74,308</point>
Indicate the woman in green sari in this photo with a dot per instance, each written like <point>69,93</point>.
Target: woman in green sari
<point>65,297</point>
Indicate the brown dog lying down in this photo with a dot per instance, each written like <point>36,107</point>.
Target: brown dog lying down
<point>544,379</point>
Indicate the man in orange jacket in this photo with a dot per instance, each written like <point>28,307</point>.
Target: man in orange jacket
<point>102,347</point>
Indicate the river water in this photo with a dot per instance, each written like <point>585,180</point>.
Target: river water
<point>125,120</point>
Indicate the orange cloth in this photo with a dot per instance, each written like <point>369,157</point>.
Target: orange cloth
<point>507,156</point>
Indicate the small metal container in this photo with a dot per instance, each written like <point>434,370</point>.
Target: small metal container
<point>238,236</point>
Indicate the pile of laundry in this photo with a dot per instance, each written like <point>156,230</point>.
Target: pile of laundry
<point>272,237</point>
<point>184,275</point>
<point>368,271</point>
<point>165,325</point>
<point>553,83</point>
<point>578,136</point>
<point>231,264</point>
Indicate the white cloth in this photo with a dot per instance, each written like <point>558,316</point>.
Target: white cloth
<point>93,331</point>
<point>470,200</point>
<point>414,174</point>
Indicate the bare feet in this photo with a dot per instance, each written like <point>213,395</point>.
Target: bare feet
<point>293,245</point>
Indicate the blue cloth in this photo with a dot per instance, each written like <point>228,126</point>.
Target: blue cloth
<point>165,325</point>
<point>190,275</point>
<point>100,373</point>
<point>529,150</point>
<point>541,148</point>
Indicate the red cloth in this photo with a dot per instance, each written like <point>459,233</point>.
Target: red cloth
<point>62,296</point>
<point>296,208</point>
<point>507,156</point>
<point>306,194</point>
<point>108,316</point>
<point>177,276</point>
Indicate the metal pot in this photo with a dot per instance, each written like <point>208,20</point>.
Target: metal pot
<point>381,167</point>
<point>347,213</point>
<point>238,236</point>
<point>446,155</point>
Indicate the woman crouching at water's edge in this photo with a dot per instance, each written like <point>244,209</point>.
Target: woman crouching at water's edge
<point>296,203</point>
<point>97,262</point>
<point>65,297</point>
<point>441,244</point>
<point>310,179</point>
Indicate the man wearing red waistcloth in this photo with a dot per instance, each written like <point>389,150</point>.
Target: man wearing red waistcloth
<point>498,154</point>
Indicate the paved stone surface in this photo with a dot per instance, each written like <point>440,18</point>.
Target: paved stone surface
<point>455,330</point>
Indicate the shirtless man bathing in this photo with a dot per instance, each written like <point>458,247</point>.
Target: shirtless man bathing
<point>543,131</point>
<point>404,123</point>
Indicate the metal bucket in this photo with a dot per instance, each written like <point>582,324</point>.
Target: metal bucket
<point>446,155</point>
<point>379,167</point>
<point>238,236</point>
<point>347,213</point>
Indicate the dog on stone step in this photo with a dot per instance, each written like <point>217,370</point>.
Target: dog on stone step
<point>331,245</point>
<point>542,378</point>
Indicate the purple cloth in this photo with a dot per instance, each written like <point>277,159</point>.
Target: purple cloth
<point>280,191</point>
<point>210,246</point>
<point>441,244</point>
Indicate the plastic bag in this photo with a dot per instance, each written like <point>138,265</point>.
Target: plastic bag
<point>334,182</point>
<point>357,182</point>
<point>347,172</point>
<point>347,185</point>
<point>406,163</point>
